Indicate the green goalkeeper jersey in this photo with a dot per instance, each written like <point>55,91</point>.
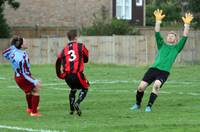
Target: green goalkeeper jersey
<point>167,53</point>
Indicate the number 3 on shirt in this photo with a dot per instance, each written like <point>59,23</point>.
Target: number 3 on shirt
<point>72,55</point>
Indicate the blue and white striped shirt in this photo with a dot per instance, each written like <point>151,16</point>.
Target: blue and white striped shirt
<point>20,63</point>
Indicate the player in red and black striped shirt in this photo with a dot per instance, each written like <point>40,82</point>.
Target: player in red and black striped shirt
<point>70,66</point>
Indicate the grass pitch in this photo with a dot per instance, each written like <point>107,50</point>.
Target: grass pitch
<point>107,106</point>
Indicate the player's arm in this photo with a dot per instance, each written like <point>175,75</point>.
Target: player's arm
<point>158,17</point>
<point>58,68</point>
<point>187,20</point>
<point>23,67</point>
<point>85,54</point>
<point>6,53</point>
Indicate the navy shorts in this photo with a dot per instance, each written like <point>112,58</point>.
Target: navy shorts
<point>155,74</point>
<point>77,81</point>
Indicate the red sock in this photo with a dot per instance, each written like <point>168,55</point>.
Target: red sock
<point>35,102</point>
<point>29,101</point>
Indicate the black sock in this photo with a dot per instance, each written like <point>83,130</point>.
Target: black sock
<point>72,97</point>
<point>82,95</point>
<point>152,98</point>
<point>139,97</point>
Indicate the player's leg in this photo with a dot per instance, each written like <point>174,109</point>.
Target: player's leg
<point>156,87</point>
<point>35,100</point>
<point>160,80</point>
<point>27,87</point>
<point>139,95</point>
<point>72,97</point>
<point>83,85</point>
<point>140,92</point>
<point>147,80</point>
<point>82,95</point>
<point>29,102</point>
<point>72,81</point>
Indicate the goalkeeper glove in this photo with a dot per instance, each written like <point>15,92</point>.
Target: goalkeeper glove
<point>158,15</point>
<point>188,18</point>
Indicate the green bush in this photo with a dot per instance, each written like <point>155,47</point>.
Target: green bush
<point>122,27</point>
<point>117,27</point>
<point>194,7</point>
<point>170,9</point>
<point>150,20</point>
<point>173,9</point>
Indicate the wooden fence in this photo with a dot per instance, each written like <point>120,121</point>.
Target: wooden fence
<point>128,50</point>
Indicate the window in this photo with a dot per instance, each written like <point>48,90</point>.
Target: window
<point>138,2</point>
<point>124,9</point>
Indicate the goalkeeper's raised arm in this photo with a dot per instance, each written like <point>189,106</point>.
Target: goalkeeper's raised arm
<point>158,16</point>
<point>187,19</point>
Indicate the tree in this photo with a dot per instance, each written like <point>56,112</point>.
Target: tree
<point>4,27</point>
<point>102,25</point>
<point>173,9</point>
<point>194,7</point>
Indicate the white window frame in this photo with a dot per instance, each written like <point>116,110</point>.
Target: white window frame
<point>139,2</point>
<point>124,9</point>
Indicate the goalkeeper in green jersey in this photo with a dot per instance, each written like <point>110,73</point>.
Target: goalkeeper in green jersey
<point>167,53</point>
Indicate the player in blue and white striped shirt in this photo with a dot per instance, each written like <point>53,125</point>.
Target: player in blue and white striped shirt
<point>19,59</point>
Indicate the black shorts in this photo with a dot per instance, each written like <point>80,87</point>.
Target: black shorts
<point>155,74</point>
<point>77,81</point>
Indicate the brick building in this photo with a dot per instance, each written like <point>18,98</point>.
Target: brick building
<point>53,17</point>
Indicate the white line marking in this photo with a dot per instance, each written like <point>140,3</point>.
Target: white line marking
<point>194,94</point>
<point>61,89</point>
<point>109,90</point>
<point>26,129</point>
<point>91,82</point>
<point>180,93</point>
<point>99,90</point>
<point>164,92</point>
<point>110,82</point>
<point>2,78</point>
